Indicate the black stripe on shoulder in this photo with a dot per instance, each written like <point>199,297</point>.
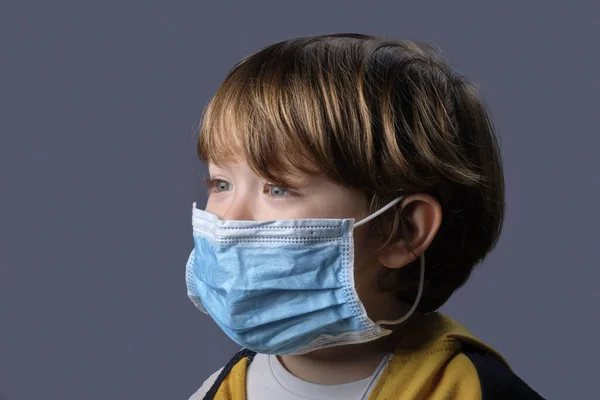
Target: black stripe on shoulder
<point>225,371</point>
<point>497,380</point>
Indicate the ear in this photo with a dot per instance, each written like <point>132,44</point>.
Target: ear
<point>424,214</point>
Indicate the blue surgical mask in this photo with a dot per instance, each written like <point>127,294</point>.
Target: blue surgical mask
<point>281,287</point>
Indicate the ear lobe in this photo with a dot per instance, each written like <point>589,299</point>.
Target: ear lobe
<point>424,214</point>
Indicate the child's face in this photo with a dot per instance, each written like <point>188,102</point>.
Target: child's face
<point>237,193</point>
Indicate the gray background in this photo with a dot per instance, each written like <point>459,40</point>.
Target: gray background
<point>99,104</point>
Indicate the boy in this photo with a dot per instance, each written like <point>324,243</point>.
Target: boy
<point>337,163</point>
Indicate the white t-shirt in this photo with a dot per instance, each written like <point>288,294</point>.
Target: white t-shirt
<point>267,379</point>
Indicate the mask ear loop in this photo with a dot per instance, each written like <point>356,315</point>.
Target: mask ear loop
<point>421,274</point>
<point>378,213</point>
<point>415,304</point>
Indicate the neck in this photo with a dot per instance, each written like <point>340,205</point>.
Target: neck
<point>342,364</point>
<point>337,365</point>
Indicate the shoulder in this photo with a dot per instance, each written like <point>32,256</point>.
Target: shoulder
<point>496,380</point>
<point>199,395</point>
<point>217,378</point>
<point>456,378</point>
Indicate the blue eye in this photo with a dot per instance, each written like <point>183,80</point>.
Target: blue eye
<point>221,186</point>
<point>216,185</point>
<point>276,191</point>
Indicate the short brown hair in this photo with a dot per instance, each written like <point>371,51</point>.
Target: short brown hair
<point>379,115</point>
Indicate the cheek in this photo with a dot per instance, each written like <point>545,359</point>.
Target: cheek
<point>364,249</point>
<point>365,271</point>
<point>215,206</point>
<point>210,206</point>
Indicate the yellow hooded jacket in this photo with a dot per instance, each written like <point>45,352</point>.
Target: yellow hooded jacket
<point>437,359</point>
